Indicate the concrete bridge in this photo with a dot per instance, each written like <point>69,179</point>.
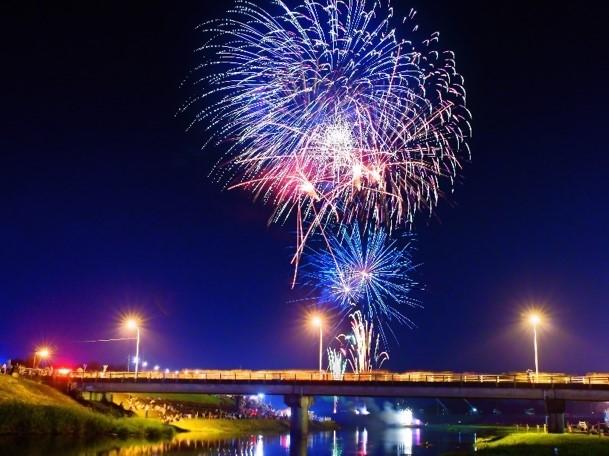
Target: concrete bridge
<point>299,387</point>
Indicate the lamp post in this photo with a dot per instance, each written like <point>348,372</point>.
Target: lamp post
<point>133,324</point>
<point>319,323</point>
<point>534,320</point>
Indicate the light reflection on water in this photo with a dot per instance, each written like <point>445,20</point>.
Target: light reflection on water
<point>360,441</point>
<point>401,440</point>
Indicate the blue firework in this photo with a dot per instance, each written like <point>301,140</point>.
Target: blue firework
<point>364,270</point>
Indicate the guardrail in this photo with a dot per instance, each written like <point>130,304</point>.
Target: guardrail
<point>316,376</point>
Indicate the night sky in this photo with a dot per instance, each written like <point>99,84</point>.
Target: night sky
<point>107,205</point>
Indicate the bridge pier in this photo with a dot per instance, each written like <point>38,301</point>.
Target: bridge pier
<point>299,416</point>
<point>555,409</point>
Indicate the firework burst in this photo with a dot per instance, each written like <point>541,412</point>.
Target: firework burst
<point>328,114</point>
<point>366,271</point>
<point>362,347</point>
<point>337,364</point>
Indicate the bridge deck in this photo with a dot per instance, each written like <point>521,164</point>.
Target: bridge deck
<point>375,376</point>
<point>591,387</point>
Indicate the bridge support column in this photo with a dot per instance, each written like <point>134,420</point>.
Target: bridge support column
<point>555,409</point>
<point>299,416</point>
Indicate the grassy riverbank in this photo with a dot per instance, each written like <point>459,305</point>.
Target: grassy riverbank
<point>27,407</point>
<point>530,443</point>
<point>219,428</point>
<point>508,441</point>
<point>236,428</point>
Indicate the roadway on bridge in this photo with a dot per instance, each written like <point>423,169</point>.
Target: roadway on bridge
<point>591,387</point>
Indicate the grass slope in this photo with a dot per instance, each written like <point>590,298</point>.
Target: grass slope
<point>233,428</point>
<point>528,443</point>
<point>27,407</point>
<point>14,389</point>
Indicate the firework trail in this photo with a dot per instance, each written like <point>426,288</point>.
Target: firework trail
<point>366,271</point>
<point>337,364</point>
<point>362,347</point>
<point>328,114</point>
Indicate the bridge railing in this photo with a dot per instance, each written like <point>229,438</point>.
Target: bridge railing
<point>313,376</point>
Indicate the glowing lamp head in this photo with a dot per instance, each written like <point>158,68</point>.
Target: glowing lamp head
<point>132,323</point>
<point>316,321</point>
<point>534,319</point>
<point>43,352</point>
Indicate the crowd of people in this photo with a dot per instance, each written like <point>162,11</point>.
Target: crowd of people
<point>9,368</point>
<point>174,411</point>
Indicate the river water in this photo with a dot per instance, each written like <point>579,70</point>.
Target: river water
<point>357,441</point>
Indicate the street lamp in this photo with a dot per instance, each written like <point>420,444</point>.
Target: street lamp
<point>40,354</point>
<point>534,320</point>
<point>317,321</point>
<point>133,324</point>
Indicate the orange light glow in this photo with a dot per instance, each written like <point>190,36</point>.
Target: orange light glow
<point>43,352</point>
<point>132,322</point>
<point>534,318</point>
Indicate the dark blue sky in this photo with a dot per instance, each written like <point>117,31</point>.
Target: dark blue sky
<point>106,204</point>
